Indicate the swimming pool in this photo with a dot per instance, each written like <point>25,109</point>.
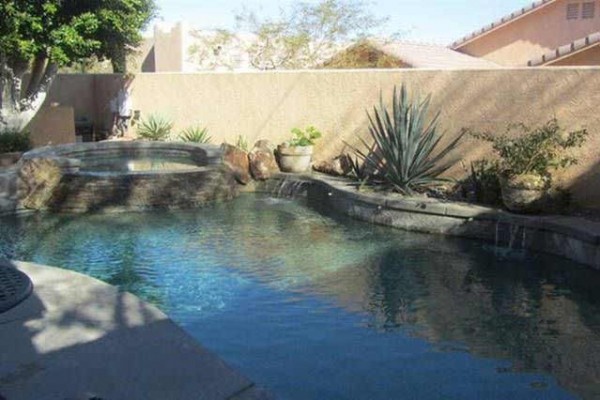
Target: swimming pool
<point>316,306</point>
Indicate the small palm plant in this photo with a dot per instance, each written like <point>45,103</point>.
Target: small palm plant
<point>155,128</point>
<point>195,134</point>
<point>406,152</point>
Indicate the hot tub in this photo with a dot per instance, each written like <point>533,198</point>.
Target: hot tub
<point>114,176</point>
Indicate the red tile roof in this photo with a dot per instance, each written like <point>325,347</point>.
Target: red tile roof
<point>420,55</point>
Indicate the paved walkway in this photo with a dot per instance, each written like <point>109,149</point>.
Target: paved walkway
<point>78,338</point>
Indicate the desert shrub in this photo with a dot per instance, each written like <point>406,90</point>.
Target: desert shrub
<point>195,134</point>
<point>523,150</point>
<point>484,180</point>
<point>155,128</point>
<point>14,142</point>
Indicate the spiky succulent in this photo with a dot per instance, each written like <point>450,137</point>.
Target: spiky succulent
<point>406,152</point>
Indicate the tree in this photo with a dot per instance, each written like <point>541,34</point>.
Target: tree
<point>308,34</point>
<point>213,50</point>
<point>39,36</point>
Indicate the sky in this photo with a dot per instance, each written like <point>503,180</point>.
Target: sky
<point>431,21</point>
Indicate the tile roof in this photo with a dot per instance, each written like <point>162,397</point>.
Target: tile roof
<point>431,56</point>
<point>533,7</point>
<point>566,50</point>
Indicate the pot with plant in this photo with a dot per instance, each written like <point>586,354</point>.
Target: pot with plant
<point>296,154</point>
<point>526,159</point>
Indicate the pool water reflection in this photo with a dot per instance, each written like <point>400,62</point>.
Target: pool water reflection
<point>321,307</point>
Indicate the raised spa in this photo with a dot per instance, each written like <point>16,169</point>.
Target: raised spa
<point>113,176</point>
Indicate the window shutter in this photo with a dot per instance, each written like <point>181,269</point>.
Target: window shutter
<point>573,11</point>
<point>588,10</point>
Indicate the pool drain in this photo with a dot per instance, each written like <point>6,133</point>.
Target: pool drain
<point>15,286</point>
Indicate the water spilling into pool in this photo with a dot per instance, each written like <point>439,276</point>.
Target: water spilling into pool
<point>321,307</point>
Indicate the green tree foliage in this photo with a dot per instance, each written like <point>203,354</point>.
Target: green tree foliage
<point>307,34</point>
<point>39,36</point>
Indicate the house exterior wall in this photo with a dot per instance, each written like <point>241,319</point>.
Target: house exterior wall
<point>532,35</point>
<point>268,104</point>
<point>589,56</point>
<point>143,59</point>
<point>169,48</point>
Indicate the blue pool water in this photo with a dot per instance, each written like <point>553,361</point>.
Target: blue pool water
<point>321,307</point>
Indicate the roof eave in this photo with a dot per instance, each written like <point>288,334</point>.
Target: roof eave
<point>566,56</point>
<point>494,26</point>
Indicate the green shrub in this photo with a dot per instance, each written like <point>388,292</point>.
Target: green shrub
<point>14,142</point>
<point>406,153</point>
<point>523,150</point>
<point>155,128</point>
<point>305,137</point>
<point>195,134</point>
<point>485,182</point>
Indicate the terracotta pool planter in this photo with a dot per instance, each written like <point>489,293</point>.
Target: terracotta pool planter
<point>294,158</point>
<point>524,193</point>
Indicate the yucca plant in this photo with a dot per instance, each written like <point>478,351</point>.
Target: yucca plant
<point>155,128</point>
<point>195,134</point>
<point>406,152</point>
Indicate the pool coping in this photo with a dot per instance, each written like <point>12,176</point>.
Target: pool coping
<point>575,238</point>
<point>76,337</point>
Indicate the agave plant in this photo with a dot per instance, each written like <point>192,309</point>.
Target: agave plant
<point>406,152</point>
<point>155,128</point>
<point>242,143</point>
<point>195,134</point>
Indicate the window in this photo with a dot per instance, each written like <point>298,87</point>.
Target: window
<point>588,10</point>
<point>573,11</point>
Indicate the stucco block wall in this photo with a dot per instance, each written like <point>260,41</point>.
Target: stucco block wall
<point>88,94</point>
<point>267,105</point>
<point>53,126</point>
<point>532,35</point>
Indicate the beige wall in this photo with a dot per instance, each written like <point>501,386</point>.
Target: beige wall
<point>88,94</point>
<point>143,59</point>
<point>532,36</point>
<point>168,49</point>
<point>590,56</point>
<point>269,104</point>
<point>53,125</point>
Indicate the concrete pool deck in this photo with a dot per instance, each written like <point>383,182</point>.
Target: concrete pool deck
<point>78,338</point>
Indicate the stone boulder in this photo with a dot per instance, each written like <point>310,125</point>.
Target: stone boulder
<point>9,159</point>
<point>262,161</point>
<point>237,160</point>
<point>339,166</point>
<point>37,182</point>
